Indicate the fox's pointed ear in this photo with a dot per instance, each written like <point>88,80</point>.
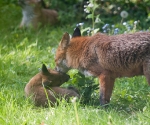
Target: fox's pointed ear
<point>44,69</point>
<point>65,40</point>
<point>76,32</point>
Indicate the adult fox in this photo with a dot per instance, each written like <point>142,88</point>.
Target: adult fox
<point>106,57</point>
<point>44,86</point>
<point>34,14</point>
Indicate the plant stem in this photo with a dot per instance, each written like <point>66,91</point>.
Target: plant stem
<point>76,113</point>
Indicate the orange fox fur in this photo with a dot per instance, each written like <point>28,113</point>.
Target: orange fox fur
<point>106,57</point>
<point>35,15</point>
<point>48,82</point>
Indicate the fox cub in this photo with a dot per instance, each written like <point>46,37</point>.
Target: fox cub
<point>44,88</point>
<point>34,15</point>
<point>106,57</point>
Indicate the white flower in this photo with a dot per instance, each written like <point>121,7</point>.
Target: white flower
<point>74,99</point>
<point>87,11</point>
<point>88,32</point>
<point>97,20</point>
<point>135,22</point>
<point>112,26</point>
<point>90,5</point>
<point>81,24</point>
<point>124,23</point>
<point>124,14</point>
<point>85,6</point>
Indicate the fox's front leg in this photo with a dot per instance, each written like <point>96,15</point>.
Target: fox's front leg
<point>106,87</point>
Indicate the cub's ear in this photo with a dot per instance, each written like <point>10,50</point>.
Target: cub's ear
<point>44,69</point>
<point>65,41</point>
<point>76,32</point>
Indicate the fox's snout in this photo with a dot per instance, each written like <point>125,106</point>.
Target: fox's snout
<point>59,70</point>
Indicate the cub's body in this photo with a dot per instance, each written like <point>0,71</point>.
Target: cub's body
<point>107,57</point>
<point>44,88</point>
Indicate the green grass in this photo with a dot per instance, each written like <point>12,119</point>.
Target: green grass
<point>22,53</point>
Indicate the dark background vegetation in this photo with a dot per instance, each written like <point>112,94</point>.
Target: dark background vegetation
<point>71,11</point>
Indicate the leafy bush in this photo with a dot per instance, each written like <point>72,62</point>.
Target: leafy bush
<point>137,11</point>
<point>71,12</point>
<point>87,86</point>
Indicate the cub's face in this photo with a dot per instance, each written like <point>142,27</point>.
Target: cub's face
<point>60,56</point>
<point>51,78</point>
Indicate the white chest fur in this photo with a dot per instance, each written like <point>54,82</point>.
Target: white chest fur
<point>28,14</point>
<point>86,73</point>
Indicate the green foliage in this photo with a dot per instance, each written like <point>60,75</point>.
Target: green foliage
<point>90,9</point>
<point>87,87</point>
<point>72,11</point>
<point>68,9</point>
<point>137,11</point>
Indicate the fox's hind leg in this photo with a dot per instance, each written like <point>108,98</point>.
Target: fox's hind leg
<point>146,70</point>
<point>106,87</point>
